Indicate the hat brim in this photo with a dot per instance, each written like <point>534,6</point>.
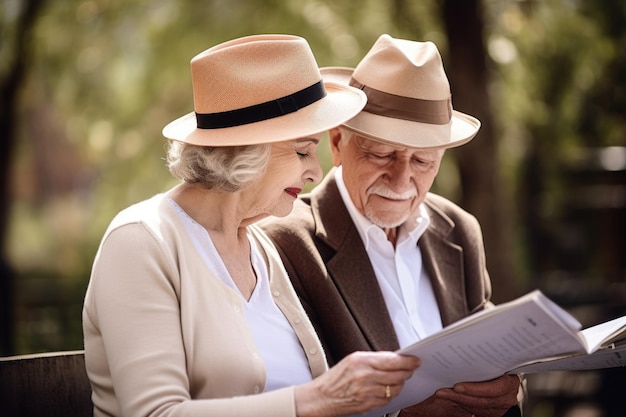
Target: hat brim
<point>339,105</point>
<point>461,129</point>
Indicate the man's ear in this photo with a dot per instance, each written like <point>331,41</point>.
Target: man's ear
<point>334,135</point>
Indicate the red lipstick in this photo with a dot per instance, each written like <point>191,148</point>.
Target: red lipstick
<point>293,191</point>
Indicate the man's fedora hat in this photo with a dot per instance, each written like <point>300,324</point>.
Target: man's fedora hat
<point>261,89</point>
<point>408,96</point>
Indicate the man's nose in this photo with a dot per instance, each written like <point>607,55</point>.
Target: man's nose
<point>400,174</point>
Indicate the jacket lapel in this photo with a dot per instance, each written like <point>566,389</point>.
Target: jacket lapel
<point>443,261</point>
<point>354,277</point>
<point>350,268</point>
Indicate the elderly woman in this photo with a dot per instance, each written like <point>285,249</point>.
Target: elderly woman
<point>189,310</point>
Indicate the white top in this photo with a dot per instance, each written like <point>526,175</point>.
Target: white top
<point>404,283</point>
<point>285,364</point>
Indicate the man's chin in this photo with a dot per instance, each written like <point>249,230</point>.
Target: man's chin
<point>386,221</point>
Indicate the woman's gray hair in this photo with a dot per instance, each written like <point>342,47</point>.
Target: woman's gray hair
<point>227,168</point>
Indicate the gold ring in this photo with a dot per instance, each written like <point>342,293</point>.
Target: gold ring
<point>387,391</point>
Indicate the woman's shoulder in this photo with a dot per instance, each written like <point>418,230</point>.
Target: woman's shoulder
<point>154,215</point>
<point>148,210</point>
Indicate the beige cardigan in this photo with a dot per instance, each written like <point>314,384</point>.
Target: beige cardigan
<point>164,335</point>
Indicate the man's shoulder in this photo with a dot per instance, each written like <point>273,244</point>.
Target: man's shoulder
<point>442,207</point>
<point>443,204</point>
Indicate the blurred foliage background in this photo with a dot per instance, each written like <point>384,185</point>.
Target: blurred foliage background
<point>87,86</point>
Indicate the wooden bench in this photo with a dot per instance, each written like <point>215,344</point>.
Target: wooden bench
<point>45,384</point>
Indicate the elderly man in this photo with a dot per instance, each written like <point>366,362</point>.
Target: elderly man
<point>378,261</point>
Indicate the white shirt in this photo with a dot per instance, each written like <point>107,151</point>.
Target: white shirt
<point>286,363</point>
<point>404,283</point>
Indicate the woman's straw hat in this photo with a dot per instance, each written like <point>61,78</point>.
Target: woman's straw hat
<point>261,89</point>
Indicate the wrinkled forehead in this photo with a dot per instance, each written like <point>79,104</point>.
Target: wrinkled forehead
<point>372,145</point>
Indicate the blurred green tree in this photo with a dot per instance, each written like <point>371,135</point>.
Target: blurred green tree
<point>18,22</point>
<point>104,76</point>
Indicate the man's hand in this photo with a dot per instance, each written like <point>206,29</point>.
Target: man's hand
<point>481,399</point>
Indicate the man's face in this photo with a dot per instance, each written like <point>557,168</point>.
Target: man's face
<point>386,183</point>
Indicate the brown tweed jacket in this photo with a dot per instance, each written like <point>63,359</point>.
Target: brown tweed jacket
<point>329,267</point>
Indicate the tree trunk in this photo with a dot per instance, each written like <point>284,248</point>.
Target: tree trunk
<point>481,180</point>
<point>10,83</point>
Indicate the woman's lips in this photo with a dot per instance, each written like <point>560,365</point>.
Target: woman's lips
<point>293,191</point>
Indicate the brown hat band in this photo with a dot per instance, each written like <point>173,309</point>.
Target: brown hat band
<point>438,112</point>
<point>263,111</point>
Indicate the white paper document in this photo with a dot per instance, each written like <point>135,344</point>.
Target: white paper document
<point>501,340</point>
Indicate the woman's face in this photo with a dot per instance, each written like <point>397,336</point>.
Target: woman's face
<point>292,164</point>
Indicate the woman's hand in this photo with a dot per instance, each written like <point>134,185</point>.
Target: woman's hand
<point>355,385</point>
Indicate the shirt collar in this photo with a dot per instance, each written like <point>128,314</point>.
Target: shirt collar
<point>412,229</point>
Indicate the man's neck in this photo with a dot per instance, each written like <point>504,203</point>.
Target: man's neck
<point>392,235</point>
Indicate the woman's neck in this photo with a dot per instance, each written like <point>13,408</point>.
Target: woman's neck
<point>217,212</point>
